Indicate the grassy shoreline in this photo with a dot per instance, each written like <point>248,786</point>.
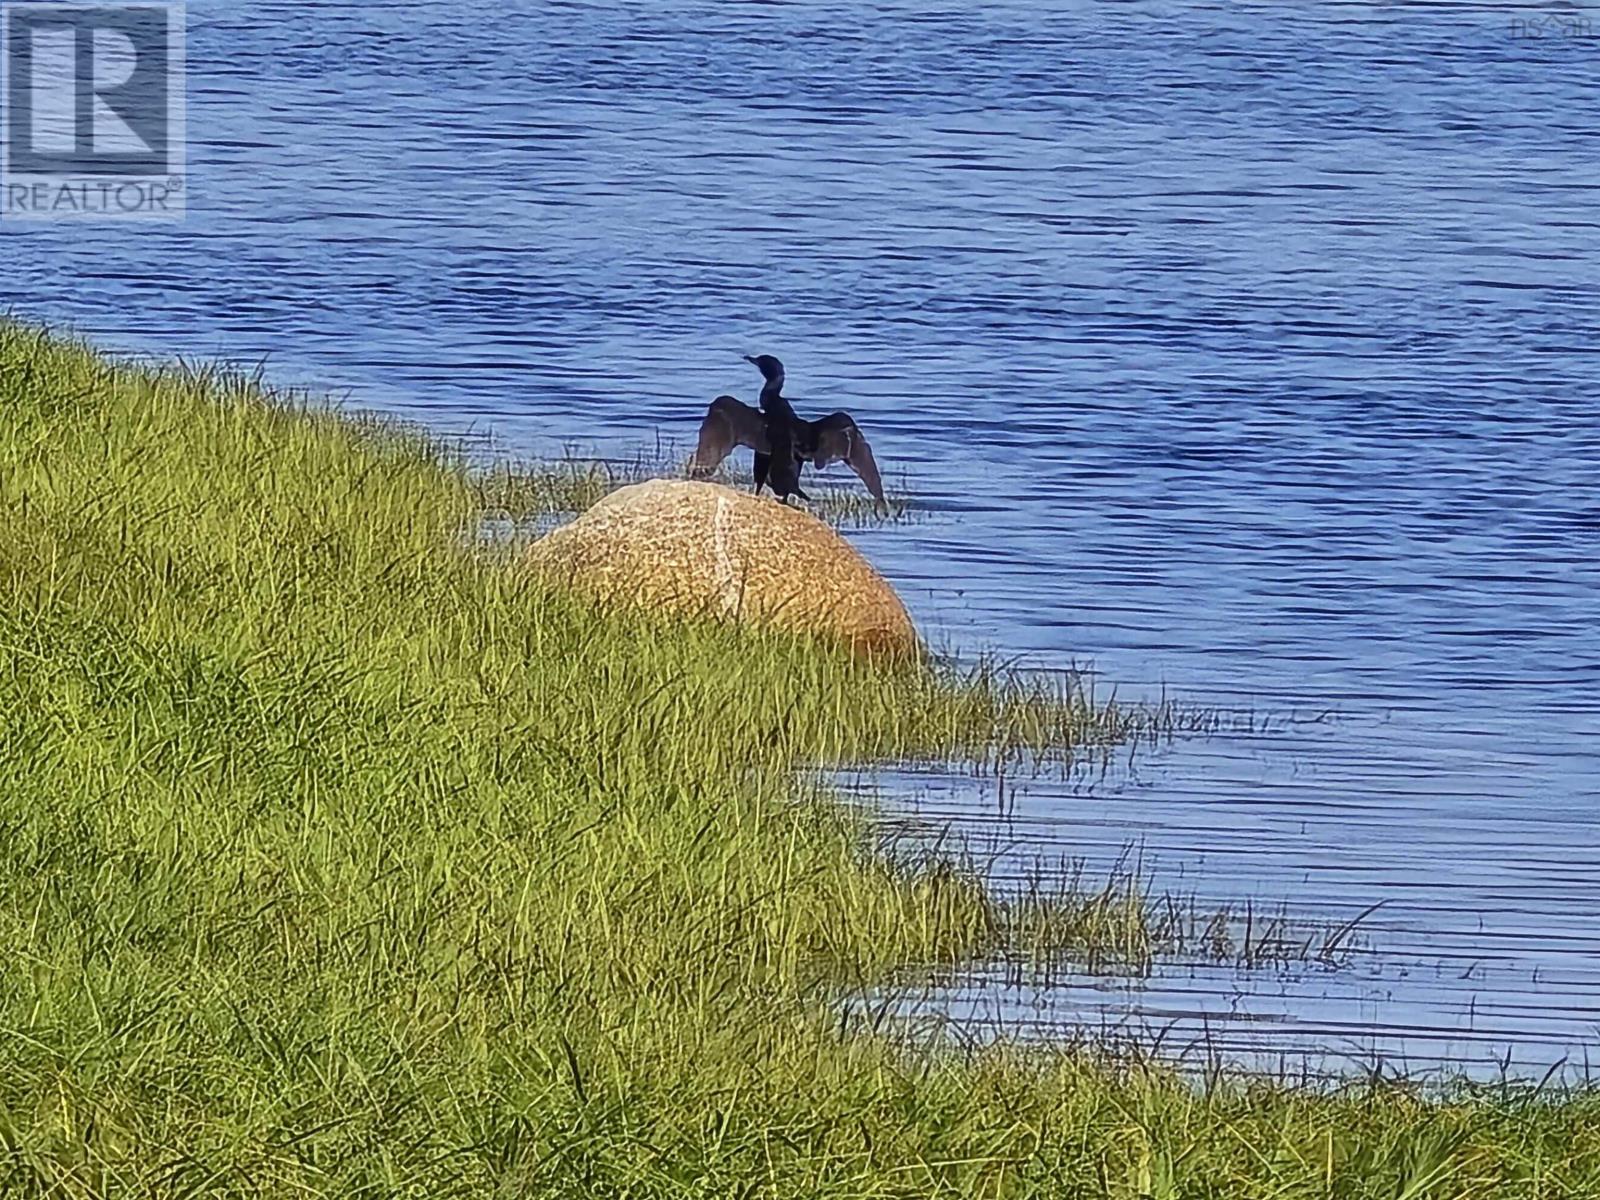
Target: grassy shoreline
<point>335,860</point>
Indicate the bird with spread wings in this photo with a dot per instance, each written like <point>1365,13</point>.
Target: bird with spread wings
<point>781,439</point>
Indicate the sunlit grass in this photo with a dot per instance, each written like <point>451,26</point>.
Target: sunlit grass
<point>337,859</point>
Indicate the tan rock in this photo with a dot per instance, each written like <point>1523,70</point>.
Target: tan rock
<point>703,549</point>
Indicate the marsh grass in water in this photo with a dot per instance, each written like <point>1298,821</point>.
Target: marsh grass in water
<point>1053,920</point>
<point>523,492</point>
<point>337,861</point>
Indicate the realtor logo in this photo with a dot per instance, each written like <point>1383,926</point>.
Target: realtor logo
<point>91,110</point>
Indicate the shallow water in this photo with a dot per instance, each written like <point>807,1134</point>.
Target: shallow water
<point>1239,351</point>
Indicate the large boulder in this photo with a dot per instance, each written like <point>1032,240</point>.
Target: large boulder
<point>704,549</point>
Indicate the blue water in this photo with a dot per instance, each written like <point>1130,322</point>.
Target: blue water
<point>1244,351</point>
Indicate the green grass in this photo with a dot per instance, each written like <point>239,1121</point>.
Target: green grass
<point>338,858</point>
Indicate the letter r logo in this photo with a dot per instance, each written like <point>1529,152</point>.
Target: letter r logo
<point>89,89</point>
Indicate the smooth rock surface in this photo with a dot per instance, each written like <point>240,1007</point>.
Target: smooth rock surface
<point>704,549</point>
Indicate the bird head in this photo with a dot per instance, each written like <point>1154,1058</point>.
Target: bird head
<point>771,369</point>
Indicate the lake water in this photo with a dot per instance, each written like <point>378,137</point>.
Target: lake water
<point>1242,351</point>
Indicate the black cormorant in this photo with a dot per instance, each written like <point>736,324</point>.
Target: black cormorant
<point>781,439</point>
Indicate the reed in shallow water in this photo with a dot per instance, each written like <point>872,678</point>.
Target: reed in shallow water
<point>522,492</point>
<point>335,859</point>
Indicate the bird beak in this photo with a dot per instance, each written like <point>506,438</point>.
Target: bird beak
<point>750,358</point>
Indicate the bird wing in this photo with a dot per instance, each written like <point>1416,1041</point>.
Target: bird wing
<point>839,439</point>
<point>728,423</point>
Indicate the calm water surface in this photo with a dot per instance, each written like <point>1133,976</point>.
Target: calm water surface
<point>1243,351</point>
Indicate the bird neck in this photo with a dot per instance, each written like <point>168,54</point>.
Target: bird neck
<point>772,400</point>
